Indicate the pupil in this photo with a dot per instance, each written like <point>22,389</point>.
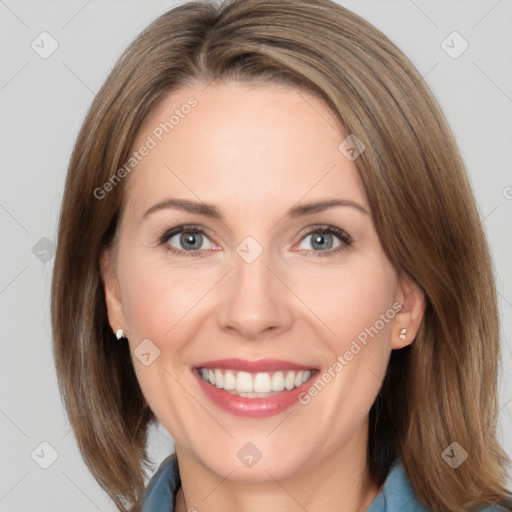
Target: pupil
<point>191,241</point>
<point>322,241</point>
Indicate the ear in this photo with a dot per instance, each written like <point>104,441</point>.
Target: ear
<point>115,309</point>
<point>412,299</point>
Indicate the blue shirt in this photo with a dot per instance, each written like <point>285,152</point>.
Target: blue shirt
<point>395,496</point>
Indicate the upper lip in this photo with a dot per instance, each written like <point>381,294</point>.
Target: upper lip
<point>260,365</point>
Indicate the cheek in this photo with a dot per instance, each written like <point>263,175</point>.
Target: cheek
<point>157,298</point>
<point>147,302</point>
<point>162,305</point>
<point>155,305</point>
<point>351,300</point>
<point>356,304</point>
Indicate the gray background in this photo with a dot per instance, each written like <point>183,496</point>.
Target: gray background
<point>43,102</point>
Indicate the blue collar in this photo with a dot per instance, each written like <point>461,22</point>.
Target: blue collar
<point>395,496</point>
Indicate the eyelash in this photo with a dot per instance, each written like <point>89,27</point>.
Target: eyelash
<point>322,229</point>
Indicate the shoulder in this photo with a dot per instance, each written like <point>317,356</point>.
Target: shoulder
<point>161,489</point>
<point>398,495</point>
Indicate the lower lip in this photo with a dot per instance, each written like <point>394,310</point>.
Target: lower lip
<point>252,407</point>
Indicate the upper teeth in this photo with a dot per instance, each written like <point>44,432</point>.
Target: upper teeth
<point>245,382</point>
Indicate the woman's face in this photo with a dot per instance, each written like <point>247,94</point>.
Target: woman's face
<point>260,269</point>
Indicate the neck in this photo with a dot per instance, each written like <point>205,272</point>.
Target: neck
<point>340,482</point>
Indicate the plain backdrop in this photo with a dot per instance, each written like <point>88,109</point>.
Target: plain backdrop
<point>43,102</point>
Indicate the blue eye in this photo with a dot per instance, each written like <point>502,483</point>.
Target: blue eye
<point>192,240</point>
<point>325,239</point>
<point>322,241</point>
<point>187,240</point>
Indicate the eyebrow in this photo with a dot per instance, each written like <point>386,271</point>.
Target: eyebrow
<point>210,210</point>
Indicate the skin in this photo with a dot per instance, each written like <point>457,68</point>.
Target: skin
<point>255,151</point>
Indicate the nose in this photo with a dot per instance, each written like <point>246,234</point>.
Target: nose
<point>255,304</point>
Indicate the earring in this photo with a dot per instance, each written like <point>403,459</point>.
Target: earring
<point>403,333</point>
<point>119,334</point>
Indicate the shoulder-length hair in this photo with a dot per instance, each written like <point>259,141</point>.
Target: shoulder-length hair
<point>443,387</point>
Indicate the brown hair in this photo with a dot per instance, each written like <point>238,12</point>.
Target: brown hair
<point>440,389</point>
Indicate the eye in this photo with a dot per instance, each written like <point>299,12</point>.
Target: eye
<point>326,239</point>
<point>186,239</point>
<point>192,240</point>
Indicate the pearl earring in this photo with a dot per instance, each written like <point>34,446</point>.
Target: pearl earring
<point>403,333</point>
<point>119,334</point>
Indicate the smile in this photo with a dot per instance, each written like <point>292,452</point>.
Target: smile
<point>253,389</point>
<point>254,385</point>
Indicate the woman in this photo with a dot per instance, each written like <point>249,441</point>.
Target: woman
<point>266,208</point>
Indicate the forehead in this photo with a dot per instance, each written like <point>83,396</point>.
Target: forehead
<point>248,146</point>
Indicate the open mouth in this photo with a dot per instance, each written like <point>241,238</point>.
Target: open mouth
<point>252,388</point>
<point>252,384</point>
